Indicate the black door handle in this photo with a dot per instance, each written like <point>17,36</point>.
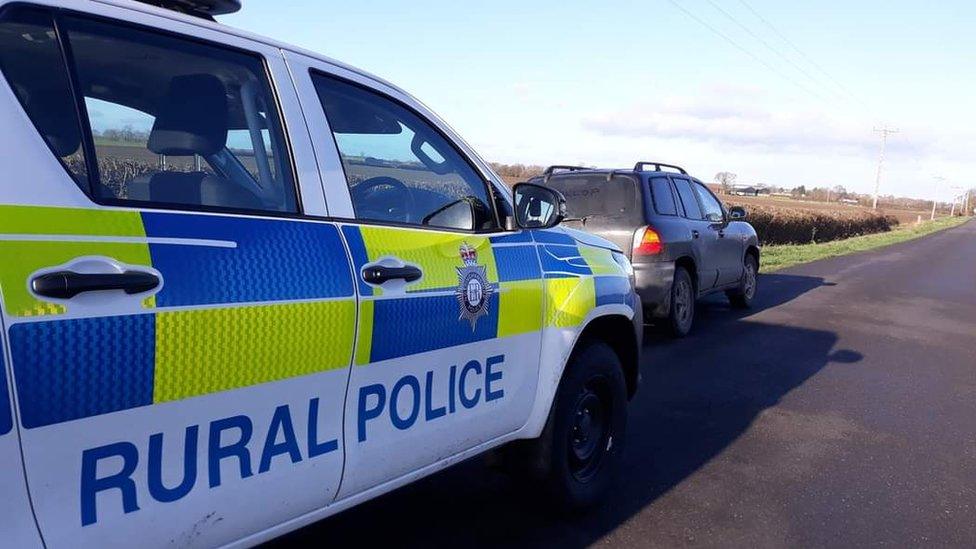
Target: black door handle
<point>694,234</point>
<point>67,284</point>
<point>378,274</point>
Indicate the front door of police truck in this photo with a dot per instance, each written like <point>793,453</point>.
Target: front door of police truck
<point>450,315</point>
<point>180,334</point>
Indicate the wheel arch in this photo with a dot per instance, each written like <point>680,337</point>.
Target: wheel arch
<point>754,251</point>
<point>689,265</point>
<point>617,331</point>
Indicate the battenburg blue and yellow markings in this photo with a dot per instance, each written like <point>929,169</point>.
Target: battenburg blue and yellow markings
<point>250,301</point>
<point>254,449</point>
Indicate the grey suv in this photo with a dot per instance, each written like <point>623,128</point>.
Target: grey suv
<point>682,241</point>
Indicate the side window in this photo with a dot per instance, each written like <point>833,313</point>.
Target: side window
<point>713,208</point>
<point>688,200</point>
<point>179,123</point>
<point>663,197</point>
<point>399,168</point>
<point>31,60</point>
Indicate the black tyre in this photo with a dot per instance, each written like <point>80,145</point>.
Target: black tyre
<point>742,297</point>
<point>682,313</point>
<point>580,447</point>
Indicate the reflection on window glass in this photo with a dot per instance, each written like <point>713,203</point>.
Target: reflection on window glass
<point>398,167</point>
<point>589,196</point>
<point>688,200</point>
<point>663,197</point>
<point>711,205</point>
<point>31,61</point>
<point>176,122</point>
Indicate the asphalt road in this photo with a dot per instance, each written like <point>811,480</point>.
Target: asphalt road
<point>840,411</point>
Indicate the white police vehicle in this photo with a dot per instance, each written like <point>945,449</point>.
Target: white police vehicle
<point>245,287</point>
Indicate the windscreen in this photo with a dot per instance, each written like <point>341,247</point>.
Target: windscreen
<point>591,196</point>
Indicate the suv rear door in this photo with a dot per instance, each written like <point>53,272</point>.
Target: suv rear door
<point>704,238</point>
<point>194,395</point>
<point>729,252</point>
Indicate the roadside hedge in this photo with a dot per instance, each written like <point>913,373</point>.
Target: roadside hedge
<point>795,226</point>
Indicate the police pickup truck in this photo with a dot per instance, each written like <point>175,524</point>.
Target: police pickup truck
<point>245,287</point>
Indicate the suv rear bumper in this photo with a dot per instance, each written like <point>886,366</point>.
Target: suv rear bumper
<point>654,287</point>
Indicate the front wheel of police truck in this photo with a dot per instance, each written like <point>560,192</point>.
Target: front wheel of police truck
<point>579,447</point>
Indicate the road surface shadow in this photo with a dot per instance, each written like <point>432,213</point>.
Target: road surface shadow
<point>699,394</point>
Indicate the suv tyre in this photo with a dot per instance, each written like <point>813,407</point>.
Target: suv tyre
<point>681,315</point>
<point>742,297</point>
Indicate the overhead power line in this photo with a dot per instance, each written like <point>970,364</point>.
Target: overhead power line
<point>806,57</point>
<point>739,47</point>
<point>769,46</point>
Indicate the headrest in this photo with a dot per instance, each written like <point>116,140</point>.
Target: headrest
<point>191,118</point>
<point>55,117</point>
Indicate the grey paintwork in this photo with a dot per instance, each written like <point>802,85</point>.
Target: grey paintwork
<point>713,252</point>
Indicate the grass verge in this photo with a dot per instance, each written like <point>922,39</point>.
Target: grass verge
<point>775,258</point>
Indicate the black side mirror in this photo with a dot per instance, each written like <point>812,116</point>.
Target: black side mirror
<point>459,214</point>
<point>737,213</point>
<point>538,207</point>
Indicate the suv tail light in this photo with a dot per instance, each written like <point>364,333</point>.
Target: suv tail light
<point>647,242</point>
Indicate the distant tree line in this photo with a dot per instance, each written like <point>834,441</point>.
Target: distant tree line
<point>125,134</point>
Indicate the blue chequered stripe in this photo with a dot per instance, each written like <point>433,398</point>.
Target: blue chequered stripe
<point>357,248</point>
<point>420,324</point>
<point>71,369</point>
<point>513,238</point>
<point>6,419</point>
<point>611,290</point>
<point>553,236</point>
<point>563,261</point>
<point>516,263</point>
<point>275,260</point>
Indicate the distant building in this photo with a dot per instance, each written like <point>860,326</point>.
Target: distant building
<point>742,189</point>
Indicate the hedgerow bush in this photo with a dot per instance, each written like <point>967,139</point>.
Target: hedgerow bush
<point>795,226</point>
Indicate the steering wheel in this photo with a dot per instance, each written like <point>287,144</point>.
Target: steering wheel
<point>398,204</point>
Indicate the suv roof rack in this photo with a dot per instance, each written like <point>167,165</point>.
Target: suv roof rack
<point>657,167</point>
<point>552,169</point>
<point>205,9</point>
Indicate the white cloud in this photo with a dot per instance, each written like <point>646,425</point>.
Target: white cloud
<point>740,118</point>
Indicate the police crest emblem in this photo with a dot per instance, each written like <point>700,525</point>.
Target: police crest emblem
<point>473,291</point>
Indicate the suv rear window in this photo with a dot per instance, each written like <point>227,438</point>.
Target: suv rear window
<point>663,197</point>
<point>592,195</point>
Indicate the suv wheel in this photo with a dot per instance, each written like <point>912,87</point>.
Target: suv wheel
<point>682,313</point>
<point>741,297</point>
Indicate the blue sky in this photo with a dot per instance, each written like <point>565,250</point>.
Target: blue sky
<point>608,83</point>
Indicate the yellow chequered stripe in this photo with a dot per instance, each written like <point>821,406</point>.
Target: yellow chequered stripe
<point>69,221</point>
<point>438,253</point>
<point>364,341</point>
<point>520,307</point>
<point>211,350</point>
<point>19,259</point>
<point>600,260</point>
<point>569,300</point>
